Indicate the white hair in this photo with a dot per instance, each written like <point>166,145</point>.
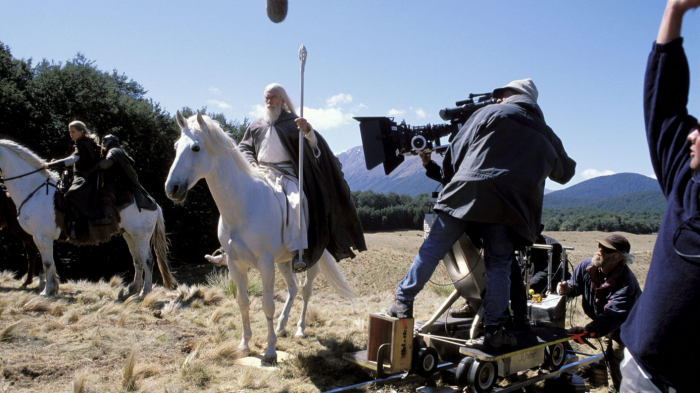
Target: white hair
<point>627,259</point>
<point>287,104</point>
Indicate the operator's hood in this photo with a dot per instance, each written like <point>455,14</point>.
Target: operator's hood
<point>525,102</point>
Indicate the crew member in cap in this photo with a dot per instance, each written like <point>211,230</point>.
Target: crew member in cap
<point>494,172</point>
<point>609,290</point>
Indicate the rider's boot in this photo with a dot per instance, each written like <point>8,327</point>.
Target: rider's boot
<point>107,216</point>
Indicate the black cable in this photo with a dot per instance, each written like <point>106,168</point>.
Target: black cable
<point>605,355</point>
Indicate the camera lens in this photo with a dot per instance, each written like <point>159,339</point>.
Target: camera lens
<point>418,142</point>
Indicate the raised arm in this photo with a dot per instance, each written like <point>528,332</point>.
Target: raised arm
<point>666,87</point>
<point>673,18</point>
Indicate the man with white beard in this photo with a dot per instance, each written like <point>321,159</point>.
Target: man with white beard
<point>271,144</point>
<point>609,290</point>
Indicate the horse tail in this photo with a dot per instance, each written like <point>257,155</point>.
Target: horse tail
<point>335,278</point>
<point>160,243</point>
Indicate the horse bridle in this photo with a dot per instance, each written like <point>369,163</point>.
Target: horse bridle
<point>47,184</point>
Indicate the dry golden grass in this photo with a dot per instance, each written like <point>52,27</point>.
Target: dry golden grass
<point>128,379</point>
<point>79,382</point>
<point>116,281</point>
<point>7,333</point>
<point>186,339</point>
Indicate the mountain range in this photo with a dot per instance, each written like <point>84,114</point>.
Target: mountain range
<point>621,191</point>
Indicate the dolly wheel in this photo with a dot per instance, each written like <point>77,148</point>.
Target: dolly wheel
<point>482,376</point>
<point>462,373</point>
<point>555,356</point>
<point>426,363</point>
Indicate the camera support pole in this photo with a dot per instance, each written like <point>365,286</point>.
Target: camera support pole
<point>302,61</point>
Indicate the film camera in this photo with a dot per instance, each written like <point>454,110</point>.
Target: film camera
<point>385,142</point>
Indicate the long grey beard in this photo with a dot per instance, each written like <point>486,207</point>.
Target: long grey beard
<point>272,114</point>
<point>276,10</point>
<point>599,263</point>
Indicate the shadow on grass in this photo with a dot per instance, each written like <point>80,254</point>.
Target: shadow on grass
<point>326,369</point>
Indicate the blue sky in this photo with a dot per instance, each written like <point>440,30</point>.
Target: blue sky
<point>408,59</point>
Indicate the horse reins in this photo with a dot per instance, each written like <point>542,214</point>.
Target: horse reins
<point>47,184</point>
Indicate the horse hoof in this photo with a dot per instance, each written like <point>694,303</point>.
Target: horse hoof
<point>281,333</point>
<point>300,334</point>
<point>269,361</point>
<point>47,293</point>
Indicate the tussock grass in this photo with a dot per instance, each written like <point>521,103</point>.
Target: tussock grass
<point>79,382</point>
<point>219,313</point>
<point>155,299</point>
<point>227,350</point>
<point>71,318</point>
<point>221,279</point>
<point>128,379</point>
<point>147,371</point>
<point>122,318</point>
<point>133,299</point>
<point>196,373</point>
<point>110,309</point>
<point>170,308</point>
<point>116,281</point>
<point>6,276</point>
<point>213,296</point>
<point>37,304</point>
<point>314,316</point>
<point>8,332</point>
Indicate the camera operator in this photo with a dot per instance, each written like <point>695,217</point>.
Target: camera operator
<point>494,171</point>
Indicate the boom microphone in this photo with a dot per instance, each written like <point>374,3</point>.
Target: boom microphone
<point>276,10</point>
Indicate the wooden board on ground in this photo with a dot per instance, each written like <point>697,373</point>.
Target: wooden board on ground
<point>257,360</point>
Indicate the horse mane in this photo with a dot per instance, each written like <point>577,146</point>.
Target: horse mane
<point>220,143</point>
<point>29,157</point>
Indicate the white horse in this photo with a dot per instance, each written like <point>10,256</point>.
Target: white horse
<point>250,222</point>
<point>38,218</point>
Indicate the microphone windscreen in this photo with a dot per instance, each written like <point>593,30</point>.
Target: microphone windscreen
<point>276,10</point>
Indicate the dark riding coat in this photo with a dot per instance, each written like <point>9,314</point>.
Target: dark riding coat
<point>333,221</point>
<point>118,167</point>
<point>82,194</point>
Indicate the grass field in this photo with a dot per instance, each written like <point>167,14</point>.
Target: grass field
<point>185,340</point>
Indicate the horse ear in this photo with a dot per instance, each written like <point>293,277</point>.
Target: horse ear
<point>201,122</point>
<point>181,121</point>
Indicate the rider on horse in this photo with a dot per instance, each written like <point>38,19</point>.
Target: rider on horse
<point>119,182</point>
<point>82,195</point>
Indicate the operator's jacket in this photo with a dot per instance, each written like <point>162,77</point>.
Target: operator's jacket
<point>333,221</point>
<point>606,300</point>
<point>495,168</point>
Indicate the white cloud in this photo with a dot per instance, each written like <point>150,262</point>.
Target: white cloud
<point>219,104</point>
<point>339,99</point>
<point>326,118</point>
<point>257,112</point>
<point>334,115</point>
<point>420,113</point>
<point>396,112</point>
<point>653,176</point>
<point>591,173</point>
<point>214,90</point>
